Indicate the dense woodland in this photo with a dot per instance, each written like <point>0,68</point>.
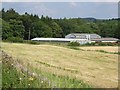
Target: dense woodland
<point>28,26</point>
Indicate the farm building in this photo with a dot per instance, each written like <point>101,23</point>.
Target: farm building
<point>81,41</point>
<point>105,40</point>
<point>90,37</point>
<point>78,37</point>
<point>83,36</point>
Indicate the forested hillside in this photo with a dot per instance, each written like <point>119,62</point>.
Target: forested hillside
<point>27,26</point>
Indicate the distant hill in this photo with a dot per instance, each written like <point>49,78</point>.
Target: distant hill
<point>90,19</point>
<point>28,26</point>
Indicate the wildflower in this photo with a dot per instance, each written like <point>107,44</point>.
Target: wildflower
<point>31,78</point>
<point>28,84</point>
<point>20,78</point>
<point>41,81</point>
<point>33,74</point>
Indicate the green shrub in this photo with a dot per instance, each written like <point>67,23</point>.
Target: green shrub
<point>102,51</point>
<point>102,44</point>
<point>111,44</point>
<point>117,53</point>
<point>89,44</point>
<point>73,44</point>
<point>75,48</point>
<point>107,44</point>
<point>31,42</point>
<point>15,39</point>
<point>20,40</point>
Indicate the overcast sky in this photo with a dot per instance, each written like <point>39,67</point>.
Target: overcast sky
<point>100,10</point>
<point>59,0</point>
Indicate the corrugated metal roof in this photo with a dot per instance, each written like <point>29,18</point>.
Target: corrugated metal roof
<point>105,39</point>
<point>82,35</point>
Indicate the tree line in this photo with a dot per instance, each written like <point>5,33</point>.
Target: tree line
<point>28,26</point>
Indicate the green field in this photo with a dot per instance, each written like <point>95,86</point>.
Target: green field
<point>45,65</point>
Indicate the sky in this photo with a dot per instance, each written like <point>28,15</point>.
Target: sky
<point>99,10</point>
<point>59,0</point>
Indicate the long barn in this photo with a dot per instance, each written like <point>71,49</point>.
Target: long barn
<point>81,41</point>
<point>77,37</point>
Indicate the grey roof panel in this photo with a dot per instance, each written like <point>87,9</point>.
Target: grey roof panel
<point>106,39</point>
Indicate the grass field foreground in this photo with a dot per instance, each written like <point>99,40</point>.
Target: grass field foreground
<point>96,68</point>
